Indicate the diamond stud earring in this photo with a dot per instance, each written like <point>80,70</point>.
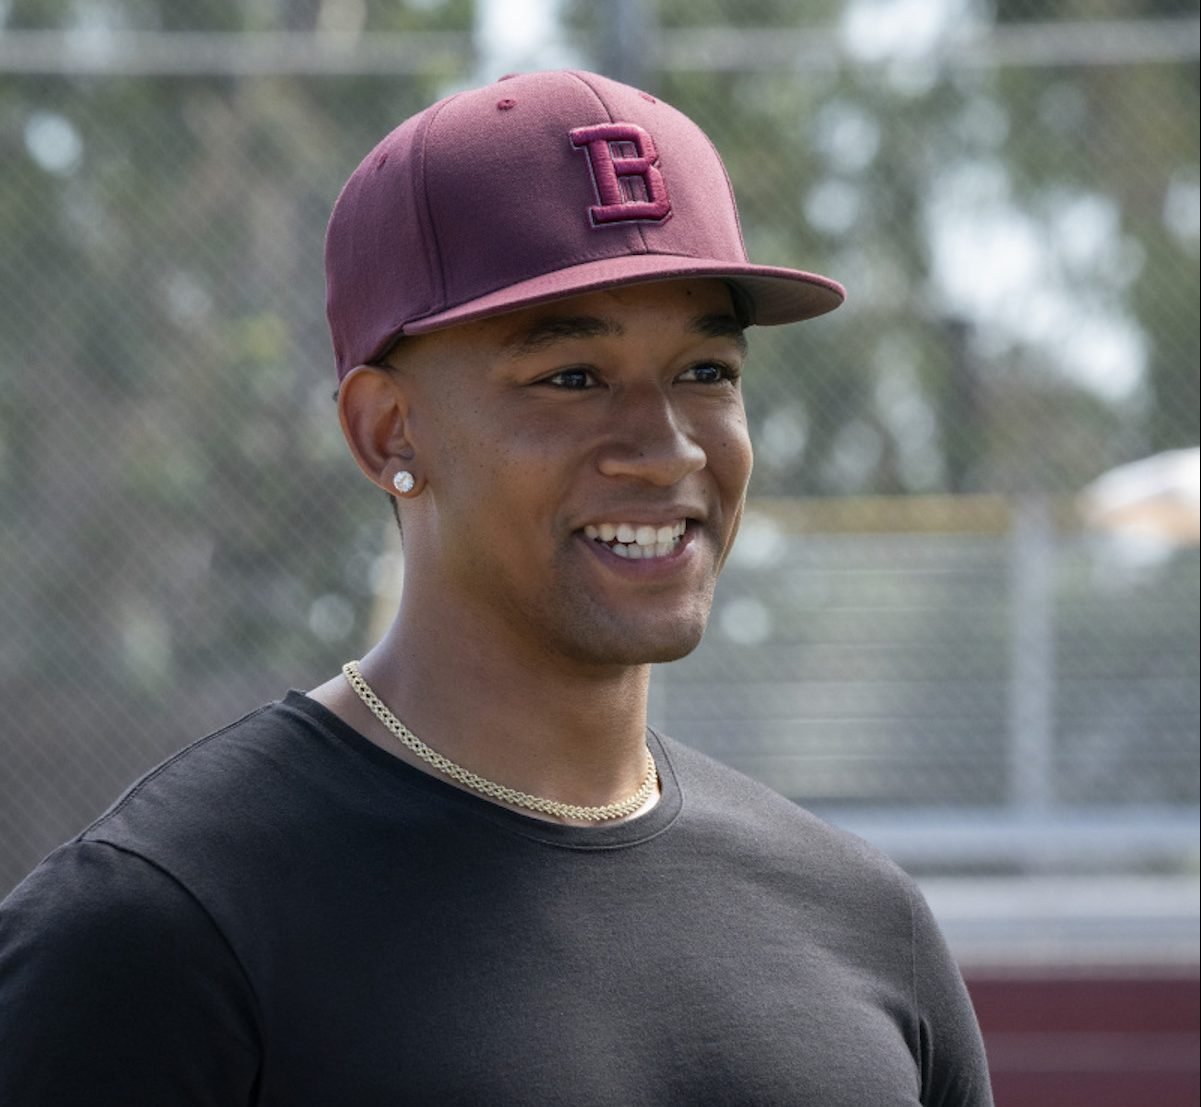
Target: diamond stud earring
<point>404,482</point>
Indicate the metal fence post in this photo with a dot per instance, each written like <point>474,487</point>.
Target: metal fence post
<point>1031,655</point>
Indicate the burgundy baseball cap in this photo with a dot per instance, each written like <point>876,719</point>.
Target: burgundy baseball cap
<point>537,187</point>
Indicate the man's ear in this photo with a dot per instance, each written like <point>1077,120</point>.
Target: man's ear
<point>373,408</point>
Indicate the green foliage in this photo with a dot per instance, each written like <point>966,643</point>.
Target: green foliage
<point>173,482</point>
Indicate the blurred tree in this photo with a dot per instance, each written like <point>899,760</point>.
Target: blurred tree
<point>1131,137</point>
<point>167,434</point>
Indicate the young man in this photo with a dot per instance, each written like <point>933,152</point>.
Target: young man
<point>520,894</point>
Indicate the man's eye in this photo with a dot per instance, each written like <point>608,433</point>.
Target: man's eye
<point>571,378</point>
<point>709,372</point>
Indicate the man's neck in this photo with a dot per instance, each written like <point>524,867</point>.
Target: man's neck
<point>543,725</point>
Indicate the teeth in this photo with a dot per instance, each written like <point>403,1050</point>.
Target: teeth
<point>638,542</point>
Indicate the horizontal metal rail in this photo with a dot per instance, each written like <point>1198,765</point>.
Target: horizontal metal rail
<point>92,52</point>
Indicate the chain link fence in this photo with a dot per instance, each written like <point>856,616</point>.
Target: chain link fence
<point>921,633</point>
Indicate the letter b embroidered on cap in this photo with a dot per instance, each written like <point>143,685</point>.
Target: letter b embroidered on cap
<point>630,186</point>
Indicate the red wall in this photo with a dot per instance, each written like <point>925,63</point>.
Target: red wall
<point>1090,1040</point>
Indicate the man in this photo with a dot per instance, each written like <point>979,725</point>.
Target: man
<point>520,894</point>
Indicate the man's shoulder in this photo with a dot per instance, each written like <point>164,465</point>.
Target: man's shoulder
<point>228,763</point>
<point>232,797</point>
<point>731,805</point>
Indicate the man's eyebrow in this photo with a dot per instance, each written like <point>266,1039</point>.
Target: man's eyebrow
<point>558,328</point>
<point>721,325</point>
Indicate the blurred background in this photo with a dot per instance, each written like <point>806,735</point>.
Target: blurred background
<point>962,619</point>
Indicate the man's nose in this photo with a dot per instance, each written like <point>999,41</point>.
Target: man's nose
<point>649,440</point>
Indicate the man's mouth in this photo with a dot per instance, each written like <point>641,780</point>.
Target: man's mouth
<point>638,541</point>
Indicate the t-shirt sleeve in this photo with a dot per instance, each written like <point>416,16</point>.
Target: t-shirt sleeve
<point>116,988</point>
<point>953,1065</point>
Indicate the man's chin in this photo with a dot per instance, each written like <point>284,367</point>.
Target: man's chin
<point>654,646</point>
<point>671,651</point>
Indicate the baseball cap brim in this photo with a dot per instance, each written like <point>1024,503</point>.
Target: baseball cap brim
<point>775,295</point>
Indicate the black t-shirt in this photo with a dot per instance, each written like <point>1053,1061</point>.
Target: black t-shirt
<point>285,914</point>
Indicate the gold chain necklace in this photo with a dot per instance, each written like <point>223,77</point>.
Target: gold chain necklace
<point>491,789</point>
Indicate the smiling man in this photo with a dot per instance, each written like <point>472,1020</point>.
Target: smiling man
<point>521,893</point>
